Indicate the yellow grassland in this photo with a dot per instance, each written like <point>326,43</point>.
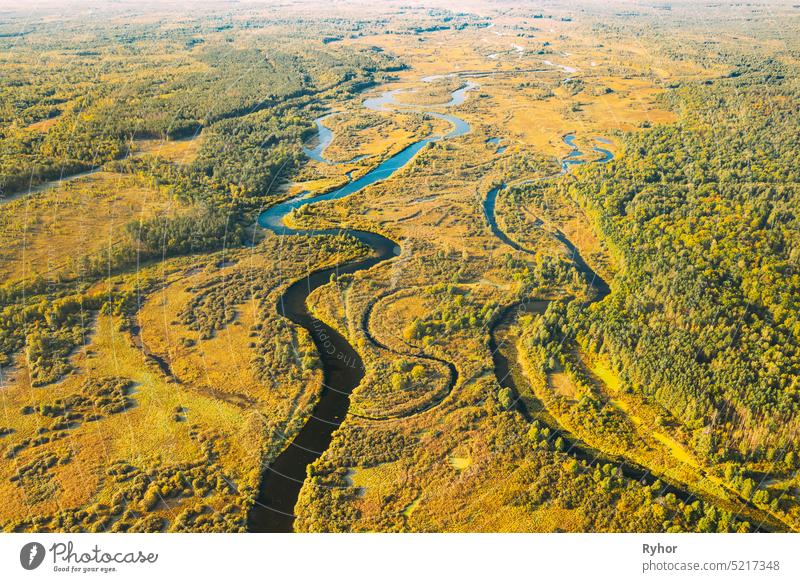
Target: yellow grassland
<point>212,389</point>
<point>179,151</point>
<point>40,232</point>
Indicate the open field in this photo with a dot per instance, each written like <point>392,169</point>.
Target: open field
<point>40,232</point>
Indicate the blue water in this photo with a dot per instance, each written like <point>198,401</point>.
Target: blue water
<point>272,218</point>
<point>607,155</point>
<point>378,103</point>
<point>460,127</point>
<point>495,141</point>
<point>460,95</point>
<point>570,159</point>
<point>457,97</point>
<point>324,139</point>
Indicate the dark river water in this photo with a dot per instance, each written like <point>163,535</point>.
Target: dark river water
<point>342,371</point>
<point>342,367</point>
<point>503,367</point>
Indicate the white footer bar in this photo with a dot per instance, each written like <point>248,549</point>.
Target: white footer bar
<point>382,557</point>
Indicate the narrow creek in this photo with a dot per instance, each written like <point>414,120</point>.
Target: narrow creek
<point>574,158</point>
<point>504,365</point>
<point>504,360</point>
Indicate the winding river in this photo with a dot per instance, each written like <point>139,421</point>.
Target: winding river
<point>499,348</point>
<point>342,367</point>
<point>502,366</point>
<point>342,372</point>
<point>324,138</point>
